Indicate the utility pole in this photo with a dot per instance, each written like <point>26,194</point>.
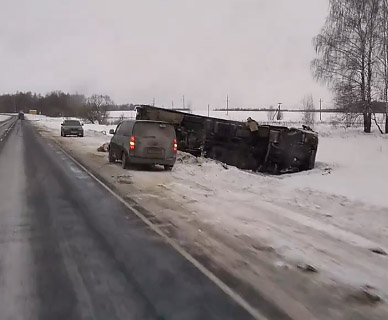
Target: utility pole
<point>277,113</point>
<point>183,102</point>
<point>320,110</point>
<point>153,101</point>
<point>227,104</point>
<point>208,108</point>
<point>172,104</point>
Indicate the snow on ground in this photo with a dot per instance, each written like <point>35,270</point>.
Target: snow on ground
<point>94,134</point>
<point>4,117</point>
<point>330,217</point>
<point>293,216</point>
<point>359,166</point>
<point>116,115</point>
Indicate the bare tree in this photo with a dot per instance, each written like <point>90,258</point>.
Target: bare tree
<point>346,49</point>
<point>382,67</point>
<point>308,116</point>
<point>96,108</point>
<point>348,103</point>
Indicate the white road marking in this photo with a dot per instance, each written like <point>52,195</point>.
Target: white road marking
<point>211,276</point>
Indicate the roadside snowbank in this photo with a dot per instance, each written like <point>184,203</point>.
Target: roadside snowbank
<point>292,214</point>
<point>356,166</point>
<point>94,134</point>
<point>349,163</point>
<point>4,117</point>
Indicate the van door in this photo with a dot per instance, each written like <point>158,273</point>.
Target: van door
<point>119,140</point>
<point>154,140</point>
<point>113,142</point>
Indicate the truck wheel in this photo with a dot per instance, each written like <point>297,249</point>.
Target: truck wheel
<point>168,168</point>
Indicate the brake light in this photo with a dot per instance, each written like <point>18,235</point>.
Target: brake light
<point>132,143</point>
<point>175,148</point>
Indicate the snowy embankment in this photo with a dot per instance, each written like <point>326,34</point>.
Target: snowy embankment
<point>94,134</point>
<point>4,117</point>
<point>331,217</point>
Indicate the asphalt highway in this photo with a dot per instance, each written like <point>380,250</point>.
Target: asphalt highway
<point>69,249</point>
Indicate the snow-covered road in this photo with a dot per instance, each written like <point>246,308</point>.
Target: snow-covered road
<point>331,217</point>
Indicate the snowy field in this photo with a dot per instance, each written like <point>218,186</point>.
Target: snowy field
<point>289,118</point>
<point>261,116</point>
<point>330,217</point>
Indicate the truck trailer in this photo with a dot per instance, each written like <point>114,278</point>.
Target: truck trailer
<point>273,149</point>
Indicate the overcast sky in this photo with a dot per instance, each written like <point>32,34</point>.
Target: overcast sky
<point>256,51</point>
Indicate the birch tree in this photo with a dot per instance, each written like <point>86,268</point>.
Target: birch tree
<point>382,68</point>
<point>347,53</point>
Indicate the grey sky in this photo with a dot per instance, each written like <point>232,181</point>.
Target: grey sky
<point>257,51</point>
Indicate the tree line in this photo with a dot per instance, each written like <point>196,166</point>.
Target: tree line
<point>352,56</point>
<point>60,104</point>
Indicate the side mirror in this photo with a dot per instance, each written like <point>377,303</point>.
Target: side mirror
<point>111,131</point>
<point>61,124</point>
<point>82,124</point>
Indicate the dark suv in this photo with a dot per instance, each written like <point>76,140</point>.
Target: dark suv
<point>72,127</point>
<point>144,142</point>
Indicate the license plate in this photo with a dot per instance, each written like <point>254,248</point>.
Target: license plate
<point>154,150</point>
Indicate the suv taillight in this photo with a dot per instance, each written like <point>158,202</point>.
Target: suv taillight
<point>175,148</point>
<point>132,143</point>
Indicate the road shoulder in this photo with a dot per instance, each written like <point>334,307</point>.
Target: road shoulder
<point>255,271</point>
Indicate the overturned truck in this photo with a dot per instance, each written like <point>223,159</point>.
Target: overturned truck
<point>274,149</point>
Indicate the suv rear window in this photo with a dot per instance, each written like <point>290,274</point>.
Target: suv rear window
<point>154,130</point>
<point>72,123</point>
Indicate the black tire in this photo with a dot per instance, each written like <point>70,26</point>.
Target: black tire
<point>168,167</point>
<point>124,160</point>
<point>81,135</point>
<point>111,157</point>
<point>61,134</point>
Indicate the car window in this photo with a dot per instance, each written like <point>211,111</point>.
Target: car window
<point>128,129</point>
<point>72,123</point>
<point>124,129</point>
<point>117,131</point>
<point>154,129</point>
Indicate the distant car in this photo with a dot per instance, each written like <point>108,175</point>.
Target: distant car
<point>72,127</point>
<point>143,142</point>
<point>21,115</point>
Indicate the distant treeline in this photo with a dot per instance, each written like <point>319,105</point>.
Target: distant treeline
<point>53,104</point>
